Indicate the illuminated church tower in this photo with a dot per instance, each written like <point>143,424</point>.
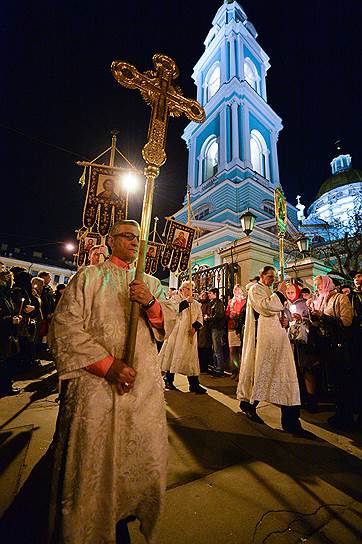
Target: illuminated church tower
<point>233,158</point>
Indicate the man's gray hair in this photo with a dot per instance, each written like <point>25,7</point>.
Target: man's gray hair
<point>123,222</point>
<point>187,282</point>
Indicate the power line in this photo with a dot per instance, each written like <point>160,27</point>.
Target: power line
<point>43,142</point>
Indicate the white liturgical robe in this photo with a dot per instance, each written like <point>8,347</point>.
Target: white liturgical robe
<point>267,368</point>
<point>178,353</point>
<point>111,450</point>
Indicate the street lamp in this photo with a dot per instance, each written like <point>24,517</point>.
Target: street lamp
<point>303,243</point>
<point>129,182</point>
<point>247,221</point>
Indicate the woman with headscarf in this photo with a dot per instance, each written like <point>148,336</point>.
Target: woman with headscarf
<point>331,313</point>
<point>233,314</point>
<point>302,340</point>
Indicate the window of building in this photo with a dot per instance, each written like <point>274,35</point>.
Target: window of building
<point>268,207</point>
<point>259,154</point>
<point>202,212</point>
<point>251,74</point>
<point>212,82</point>
<point>211,159</point>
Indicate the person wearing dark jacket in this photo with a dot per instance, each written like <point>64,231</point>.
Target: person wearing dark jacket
<point>9,323</point>
<point>217,322</point>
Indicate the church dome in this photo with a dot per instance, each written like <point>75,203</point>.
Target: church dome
<point>339,179</point>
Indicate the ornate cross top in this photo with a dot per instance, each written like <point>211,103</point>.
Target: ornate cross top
<point>166,100</point>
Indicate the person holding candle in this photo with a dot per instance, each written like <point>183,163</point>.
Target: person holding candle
<point>331,314</point>
<point>303,344</point>
<point>233,313</point>
<point>26,305</point>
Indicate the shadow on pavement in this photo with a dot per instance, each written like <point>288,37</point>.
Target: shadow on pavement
<point>26,519</point>
<point>216,438</point>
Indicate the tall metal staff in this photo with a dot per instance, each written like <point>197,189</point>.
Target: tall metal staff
<point>190,262</point>
<point>166,100</point>
<point>281,222</point>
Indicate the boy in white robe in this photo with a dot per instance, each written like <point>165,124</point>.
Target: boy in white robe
<point>179,352</point>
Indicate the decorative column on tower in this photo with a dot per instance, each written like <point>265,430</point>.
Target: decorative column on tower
<point>235,129</point>
<point>246,135</point>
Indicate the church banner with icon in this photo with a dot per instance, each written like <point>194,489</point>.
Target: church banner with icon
<point>87,240</point>
<point>178,245</point>
<point>105,203</point>
<point>280,210</point>
<point>154,250</point>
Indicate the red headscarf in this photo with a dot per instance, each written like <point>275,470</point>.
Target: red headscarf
<point>297,294</point>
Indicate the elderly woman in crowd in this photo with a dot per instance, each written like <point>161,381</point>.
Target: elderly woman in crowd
<point>267,369</point>
<point>233,314</point>
<point>303,342</point>
<point>331,314</point>
<point>9,342</point>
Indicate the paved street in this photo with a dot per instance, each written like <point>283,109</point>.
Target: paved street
<point>230,480</point>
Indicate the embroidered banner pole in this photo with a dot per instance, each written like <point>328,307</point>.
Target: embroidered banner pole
<point>281,223</point>
<point>166,100</point>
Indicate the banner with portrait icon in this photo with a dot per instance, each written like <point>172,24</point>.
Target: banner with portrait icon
<point>280,203</point>
<point>105,201</point>
<point>154,250</point>
<point>87,240</point>
<point>178,245</point>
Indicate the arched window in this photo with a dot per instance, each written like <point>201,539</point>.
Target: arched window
<point>251,74</point>
<point>259,154</point>
<point>211,159</point>
<point>212,82</point>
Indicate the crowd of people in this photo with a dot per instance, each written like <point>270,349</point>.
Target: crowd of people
<point>321,333</point>
<point>27,305</point>
<point>279,341</point>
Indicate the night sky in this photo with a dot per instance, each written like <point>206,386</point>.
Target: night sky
<point>60,101</point>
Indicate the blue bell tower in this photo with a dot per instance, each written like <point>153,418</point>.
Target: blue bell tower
<point>233,157</point>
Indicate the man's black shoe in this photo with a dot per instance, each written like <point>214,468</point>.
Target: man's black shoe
<point>300,432</point>
<point>217,373</point>
<point>170,386</point>
<point>198,390</point>
<point>250,411</point>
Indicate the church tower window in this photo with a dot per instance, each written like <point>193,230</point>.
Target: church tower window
<point>251,75</point>
<point>212,82</point>
<point>259,154</point>
<point>211,159</point>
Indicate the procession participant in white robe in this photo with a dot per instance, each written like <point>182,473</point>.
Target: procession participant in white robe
<point>179,352</point>
<point>267,369</point>
<point>111,437</point>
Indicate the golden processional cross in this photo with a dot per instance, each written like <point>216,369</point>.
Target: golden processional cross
<point>166,100</point>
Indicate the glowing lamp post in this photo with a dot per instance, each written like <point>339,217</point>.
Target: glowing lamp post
<point>303,243</point>
<point>247,221</point>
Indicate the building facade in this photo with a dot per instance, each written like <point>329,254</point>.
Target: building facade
<point>233,157</point>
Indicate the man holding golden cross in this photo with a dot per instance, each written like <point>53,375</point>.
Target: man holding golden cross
<point>111,440</point>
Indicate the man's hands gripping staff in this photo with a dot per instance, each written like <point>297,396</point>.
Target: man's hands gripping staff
<point>120,375</point>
